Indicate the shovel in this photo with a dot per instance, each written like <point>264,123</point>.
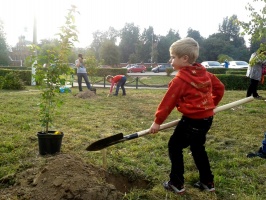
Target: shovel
<point>114,139</point>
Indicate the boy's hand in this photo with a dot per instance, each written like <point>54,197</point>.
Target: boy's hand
<point>154,128</point>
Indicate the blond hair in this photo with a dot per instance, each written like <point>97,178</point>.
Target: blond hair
<point>108,77</point>
<point>187,46</point>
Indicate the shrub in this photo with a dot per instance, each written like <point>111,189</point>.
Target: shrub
<point>13,82</point>
<point>2,79</point>
<point>217,70</point>
<point>239,72</point>
<point>24,75</point>
<point>169,71</point>
<point>237,82</point>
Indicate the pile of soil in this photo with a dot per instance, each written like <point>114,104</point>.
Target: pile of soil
<point>62,177</point>
<point>86,94</point>
<point>65,176</point>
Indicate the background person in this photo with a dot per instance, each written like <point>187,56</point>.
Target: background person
<point>254,72</point>
<point>226,64</point>
<point>82,73</point>
<point>195,93</point>
<point>119,81</point>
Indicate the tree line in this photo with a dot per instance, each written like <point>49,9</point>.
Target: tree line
<point>129,45</point>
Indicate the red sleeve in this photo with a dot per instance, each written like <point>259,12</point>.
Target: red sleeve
<point>169,101</point>
<point>112,86</point>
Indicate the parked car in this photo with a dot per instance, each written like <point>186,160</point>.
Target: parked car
<point>128,66</point>
<point>238,65</point>
<point>160,68</point>
<point>212,64</point>
<point>137,68</point>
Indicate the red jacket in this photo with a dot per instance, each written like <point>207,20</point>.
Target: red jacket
<point>114,81</point>
<point>193,91</point>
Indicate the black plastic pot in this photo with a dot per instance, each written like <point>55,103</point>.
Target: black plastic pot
<point>49,143</point>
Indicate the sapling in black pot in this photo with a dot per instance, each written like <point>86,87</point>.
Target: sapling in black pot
<point>51,70</point>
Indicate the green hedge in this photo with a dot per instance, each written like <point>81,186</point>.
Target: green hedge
<point>232,79</point>
<point>111,71</point>
<point>217,70</point>
<point>236,72</point>
<point>15,67</point>
<point>237,82</point>
<point>24,75</point>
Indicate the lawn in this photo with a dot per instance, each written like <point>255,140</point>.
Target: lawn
<point>234,133</point>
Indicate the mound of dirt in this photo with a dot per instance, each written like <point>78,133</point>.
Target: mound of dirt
<point>86,94</point>
<point>62,177</point>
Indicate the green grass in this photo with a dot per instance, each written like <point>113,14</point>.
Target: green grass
<point>234,133</point>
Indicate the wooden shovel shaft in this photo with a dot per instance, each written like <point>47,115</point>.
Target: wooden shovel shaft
<point>111,140</point>
<point>175,122</point>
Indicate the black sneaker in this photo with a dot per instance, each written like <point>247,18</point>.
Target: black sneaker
<point>259,97</point>
<point>174,188</point>
<point>208,187</point>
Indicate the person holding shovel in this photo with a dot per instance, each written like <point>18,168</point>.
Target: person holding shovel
<point>119,81</point>
<point>195,93</point>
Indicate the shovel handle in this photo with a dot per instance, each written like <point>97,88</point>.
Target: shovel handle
<point>233,104</point>
<point>216,110</point>
<point>106,142</point>
<point>162,127</point>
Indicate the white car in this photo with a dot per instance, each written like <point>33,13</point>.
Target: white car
<point>238,65</point>
<point>128,66</point>
<point>212,64</point>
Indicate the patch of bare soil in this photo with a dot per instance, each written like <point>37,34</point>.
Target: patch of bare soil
<point>65,176</point>
<point>86,94</point>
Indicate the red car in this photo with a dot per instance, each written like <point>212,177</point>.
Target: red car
<point>137,68</point>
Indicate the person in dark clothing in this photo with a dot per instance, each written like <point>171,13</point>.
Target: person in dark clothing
<point>254,72</point>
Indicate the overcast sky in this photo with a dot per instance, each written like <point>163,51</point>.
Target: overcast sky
<point>201,15</point>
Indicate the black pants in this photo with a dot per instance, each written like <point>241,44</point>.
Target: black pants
<point>121,84</point>
<point>190,132</point>
<point>85,77</point>
<point>252,89</point>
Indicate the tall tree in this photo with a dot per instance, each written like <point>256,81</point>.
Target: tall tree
<point>129,39</point>
<point>231,31</point>
<point>229,28</point>
<point>256,26</point>
<point>164,44</point>
<point>195,35</point>
<point>3,46</point>
<point>227,41</point>
<point>146,50</point>
<point>112,34</point>
<point>211,48</point>
<point>109,53</point>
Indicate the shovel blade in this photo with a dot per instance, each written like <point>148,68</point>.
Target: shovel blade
<point>103,143</point>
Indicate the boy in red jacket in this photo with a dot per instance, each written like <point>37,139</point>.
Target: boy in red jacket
<point>195,93</point>
<point>119,81</point>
